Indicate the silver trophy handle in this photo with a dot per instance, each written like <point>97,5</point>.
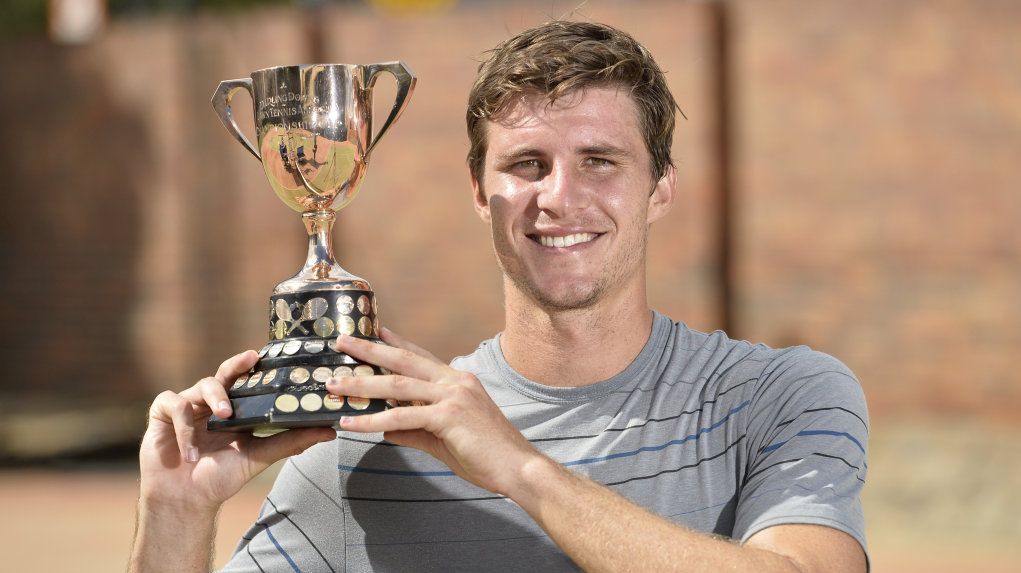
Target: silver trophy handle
<point>221,104</point>
<point>405,85</point>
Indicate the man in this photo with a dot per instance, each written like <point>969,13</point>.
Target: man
<point>592,432</point>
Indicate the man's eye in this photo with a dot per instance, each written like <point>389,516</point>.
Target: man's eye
<point>598,161</point>
<point>527,168</point>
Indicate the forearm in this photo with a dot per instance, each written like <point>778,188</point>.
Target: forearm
<point>172,539</point>
<point>602,531</point>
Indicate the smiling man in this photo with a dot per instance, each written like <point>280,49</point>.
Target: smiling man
<point>592,432</point>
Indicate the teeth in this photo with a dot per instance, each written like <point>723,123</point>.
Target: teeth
<point>567,241</point>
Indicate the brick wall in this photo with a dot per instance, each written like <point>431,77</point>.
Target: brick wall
<point>874,193</point>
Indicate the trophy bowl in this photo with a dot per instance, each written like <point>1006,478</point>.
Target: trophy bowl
<point>313,127</point>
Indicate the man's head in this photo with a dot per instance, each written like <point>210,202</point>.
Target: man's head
<point>559,58</point>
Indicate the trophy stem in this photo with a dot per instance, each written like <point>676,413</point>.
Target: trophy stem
<point>321,270</point>
<point>320,260</point>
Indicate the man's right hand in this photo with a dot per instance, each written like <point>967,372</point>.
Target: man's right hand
<point>185,465</point>
<point>188,472</point>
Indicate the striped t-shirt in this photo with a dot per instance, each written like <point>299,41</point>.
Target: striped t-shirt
<point>718,435</point>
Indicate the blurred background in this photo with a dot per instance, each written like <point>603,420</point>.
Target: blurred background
<point>850,179</point>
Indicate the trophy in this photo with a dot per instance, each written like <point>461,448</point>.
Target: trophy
<point>314,133</point>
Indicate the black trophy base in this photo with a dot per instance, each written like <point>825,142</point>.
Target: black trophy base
<point>302,407</point>
<point>287,386</point>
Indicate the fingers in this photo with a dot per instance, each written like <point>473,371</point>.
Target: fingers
<point>402,360</point>
<point>182,410</point>
<point>174,409</point>
<point>392,420</point>
<point>418,439</point>
<point>212,391</point>
<point>392,339</point>
<point>396,387</point>
<point>214,395</point>
<point>236,366</point>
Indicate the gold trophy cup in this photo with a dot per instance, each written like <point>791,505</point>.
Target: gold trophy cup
<point>314,134</point>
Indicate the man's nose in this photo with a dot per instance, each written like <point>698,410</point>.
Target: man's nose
<point>561,191</point>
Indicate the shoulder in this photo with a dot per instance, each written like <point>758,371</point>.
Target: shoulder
<point>776,383</point>
<point>804,394</point>
<point>802,376</point>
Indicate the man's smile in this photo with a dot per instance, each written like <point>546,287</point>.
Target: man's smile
<point>562,240</point>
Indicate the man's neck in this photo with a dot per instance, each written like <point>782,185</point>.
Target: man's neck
<point>574,347</point>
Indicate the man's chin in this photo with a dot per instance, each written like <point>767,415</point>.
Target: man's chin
<point>560,300</point>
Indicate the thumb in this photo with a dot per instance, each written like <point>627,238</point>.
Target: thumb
<point>267,451</point>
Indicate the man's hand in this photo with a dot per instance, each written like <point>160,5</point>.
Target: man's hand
<point>452,417</point>
<point>187,472</point>
<point>183,463</point>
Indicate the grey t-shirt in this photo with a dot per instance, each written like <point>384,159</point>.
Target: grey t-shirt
<point>717,435</point>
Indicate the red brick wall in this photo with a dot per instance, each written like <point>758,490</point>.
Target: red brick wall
<point>879,193</point>
<point>875,197</point>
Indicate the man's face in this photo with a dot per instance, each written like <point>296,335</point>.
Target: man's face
<point>569,192</point>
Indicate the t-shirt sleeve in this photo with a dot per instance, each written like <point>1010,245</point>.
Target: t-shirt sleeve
<point>807,443</point>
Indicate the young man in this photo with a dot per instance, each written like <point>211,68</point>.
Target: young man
<point>592,432</point>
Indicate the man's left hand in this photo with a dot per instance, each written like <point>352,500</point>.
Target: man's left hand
<point>453,418</point>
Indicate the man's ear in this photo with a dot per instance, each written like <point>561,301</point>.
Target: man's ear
<point>481,202</point>
<point>662,197</point>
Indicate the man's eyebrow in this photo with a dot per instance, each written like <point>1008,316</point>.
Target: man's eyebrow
<point>603,149</point>
<point>516,154</point>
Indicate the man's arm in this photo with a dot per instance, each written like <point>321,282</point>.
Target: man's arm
<point>460,425</point>
<point>186,472</point>
<point>603,531</point>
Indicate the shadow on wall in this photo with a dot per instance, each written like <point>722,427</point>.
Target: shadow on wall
<point>73,168</point>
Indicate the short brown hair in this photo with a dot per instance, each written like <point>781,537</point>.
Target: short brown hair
<point>558,57</point>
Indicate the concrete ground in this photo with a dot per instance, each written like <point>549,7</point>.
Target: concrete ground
<point>940,498</point>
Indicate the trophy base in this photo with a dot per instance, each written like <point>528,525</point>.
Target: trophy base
<point>287,386</point>
<point>266,414</point>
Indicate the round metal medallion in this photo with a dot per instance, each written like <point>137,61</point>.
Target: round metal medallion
<point>286,403</point>
<point>323,326</point>
<point>299,376</point>
<point>345,325</point>
<point>358,403</point>
<point>311,402</point>
<point>345,304</point>
<point>365,326</point>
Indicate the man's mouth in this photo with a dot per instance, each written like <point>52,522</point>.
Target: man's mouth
<point>563,241</point>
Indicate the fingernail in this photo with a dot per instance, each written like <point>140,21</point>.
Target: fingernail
<point>343,421</point>
<point>224,406</point>
<point>192,454</point>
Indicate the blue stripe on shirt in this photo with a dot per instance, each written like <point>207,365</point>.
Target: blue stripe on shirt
<point>281,550</point>
<point>584,461</point>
